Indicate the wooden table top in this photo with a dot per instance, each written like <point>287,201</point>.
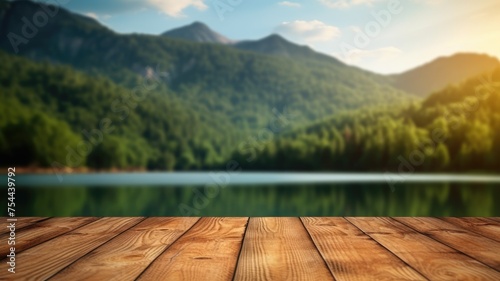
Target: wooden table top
<point>230,248</point>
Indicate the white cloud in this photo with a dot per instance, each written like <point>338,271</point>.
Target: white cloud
<point>92,15</point>
<point>174,8</point>
<point>309,31</point>
<point>343,4</point>
<point>289,4</point>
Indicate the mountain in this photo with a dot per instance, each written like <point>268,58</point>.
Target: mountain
<point>215,79</point>
<point>206,99</point>
<point>276,45</point>
<point>53,113</point>
<point>454,129</point>
<point>197,32</point>
<point>273,44</point>
<point>435,75</point>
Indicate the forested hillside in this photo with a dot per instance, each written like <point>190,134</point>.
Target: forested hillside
<point>203,99</point>
<point>455,129</point>
<point>244,86</point>
<point>49,113</point>
<point>79,94</point>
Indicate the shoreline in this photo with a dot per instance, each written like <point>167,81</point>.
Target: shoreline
<point>86,170</point>
<point>66,170</point>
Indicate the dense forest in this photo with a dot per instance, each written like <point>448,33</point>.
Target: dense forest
<point>455,129</point>
<point>80,95</point>
<point>240,85</point>
<point>172,104</point>
<point>51,112</point>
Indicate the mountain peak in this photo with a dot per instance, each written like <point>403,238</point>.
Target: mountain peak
<point>198,24</point>
<point>197,32</point>
<point>275,44</point>
<point>274,36</point>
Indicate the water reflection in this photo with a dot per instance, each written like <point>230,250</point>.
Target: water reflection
<point>439,199</point>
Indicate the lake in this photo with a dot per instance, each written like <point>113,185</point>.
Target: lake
<point>255,194</point>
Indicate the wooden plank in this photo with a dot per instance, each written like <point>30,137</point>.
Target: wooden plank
<point>279,249</point>
<point>495,219</point>
<point>476,246</point>
<point>22,222</point>
<point>352,255</point>
<point>431,258</point>
<point>41,232</point>
<point>482,226</point>
<point>127,255</point>
<point>43,261</point>
<point>208,251</point>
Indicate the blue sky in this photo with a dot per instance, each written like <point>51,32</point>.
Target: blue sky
<point>406,34</point>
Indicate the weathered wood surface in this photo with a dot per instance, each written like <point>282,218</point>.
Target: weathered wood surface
<point>43,231</point>
<point>208,251</point>
<point>162,248</point>
<point>21,223</point>
<point>346,250</point>
<point>279,249</point>
<point>433,259</point>
<point>45,260</point>
<point>129,254</point>
<point>469,243</point>
<point>483,226</point>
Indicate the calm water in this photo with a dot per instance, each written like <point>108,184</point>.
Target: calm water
<point>257,194</point>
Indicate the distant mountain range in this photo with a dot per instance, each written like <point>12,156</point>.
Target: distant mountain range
<point>249,74</point>
<point>208,98</point>
<point>74,32</point>
<point>276,45</point>
<point>213,93</point>
<point>273,44</point>
<point>420,81</point>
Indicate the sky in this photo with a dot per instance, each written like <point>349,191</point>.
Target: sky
<point>384,36</point>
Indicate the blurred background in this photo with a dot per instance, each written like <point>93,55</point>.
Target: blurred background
<point>391,87</point>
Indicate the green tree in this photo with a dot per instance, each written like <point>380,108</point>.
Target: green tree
<point>111,153</point>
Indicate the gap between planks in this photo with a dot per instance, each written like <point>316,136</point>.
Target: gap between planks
<point>22,222</point>
<point>346,250</point>
<point>433,259</point>
<point>128,254</point>
<point>44,260</point>
<point>42,232</point>
<point>279,249</point>
<point>247,247</point>
<point>471,244</point>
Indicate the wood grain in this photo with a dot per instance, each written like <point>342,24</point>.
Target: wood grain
<point>127,255</point>
<point>21,223</point>
<point>268,249</point>
<point>43,261</point>
<point>482,226</point>
<point>279,249</point>
<point>470,243</point>
<point>208,251</point>
<point>41,232</point>
<point>431,258</point>
<point>352,255</point>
